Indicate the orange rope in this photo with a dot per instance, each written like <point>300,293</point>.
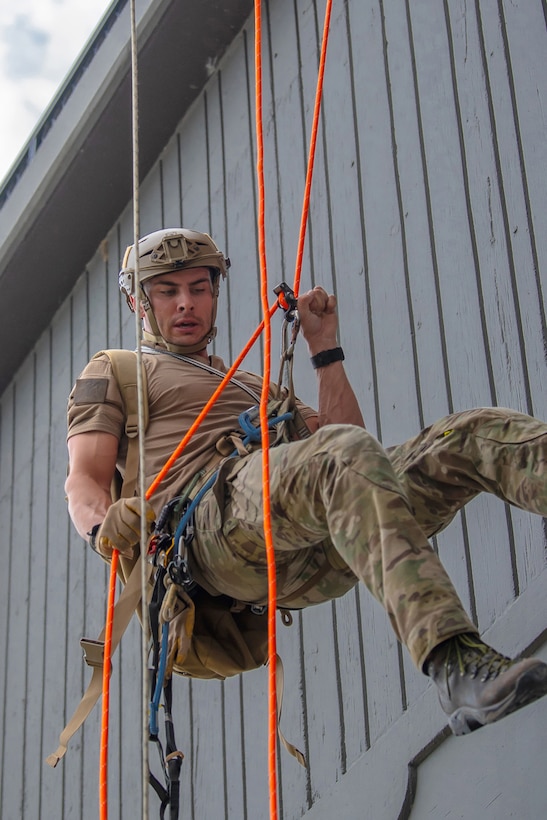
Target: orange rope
<point>103,760</point>
<point>311,152</point>
<point>266,326</point>
<point>268,540</point>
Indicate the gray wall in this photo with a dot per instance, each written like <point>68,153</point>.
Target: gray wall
<point>428,220</point>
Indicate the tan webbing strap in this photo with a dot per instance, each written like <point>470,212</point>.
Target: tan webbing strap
<point>126,605</point>
<point>279,686</point>
<point>124,368</point>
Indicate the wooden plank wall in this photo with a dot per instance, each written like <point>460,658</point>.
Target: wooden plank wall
<point>428,221</point>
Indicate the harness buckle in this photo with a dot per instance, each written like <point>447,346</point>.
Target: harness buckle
<point>93,652</point>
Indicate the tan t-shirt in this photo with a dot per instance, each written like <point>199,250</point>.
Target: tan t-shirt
<point>177,392</point>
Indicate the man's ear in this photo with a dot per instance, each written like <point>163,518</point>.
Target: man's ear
<point>134,304</point>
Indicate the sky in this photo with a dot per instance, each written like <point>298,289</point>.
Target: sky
<point>39,42</point>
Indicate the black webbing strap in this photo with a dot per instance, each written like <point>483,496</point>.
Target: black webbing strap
<point>173,756</point>
<point>171,762</point>
<point>162,793</point>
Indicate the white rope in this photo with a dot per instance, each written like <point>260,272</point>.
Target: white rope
<point>140,403</point>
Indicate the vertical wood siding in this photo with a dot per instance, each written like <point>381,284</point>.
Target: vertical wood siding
<point>428,221</point>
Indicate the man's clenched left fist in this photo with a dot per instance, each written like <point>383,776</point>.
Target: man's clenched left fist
<point>121,528</point>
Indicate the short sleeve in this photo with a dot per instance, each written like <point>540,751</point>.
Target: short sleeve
<point>95,403</point>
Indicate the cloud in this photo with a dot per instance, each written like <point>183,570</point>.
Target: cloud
<point>26,47</point>
<point>39,42</point>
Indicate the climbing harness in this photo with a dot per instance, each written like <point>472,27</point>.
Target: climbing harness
<point>177,568</point>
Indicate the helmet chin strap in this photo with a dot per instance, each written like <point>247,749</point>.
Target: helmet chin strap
<point>183,350</point>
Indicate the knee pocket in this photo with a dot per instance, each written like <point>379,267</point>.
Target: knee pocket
<point>511,428</point>
<point>361,452</point>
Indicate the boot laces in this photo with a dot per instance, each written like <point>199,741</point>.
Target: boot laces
<point>475,658</point>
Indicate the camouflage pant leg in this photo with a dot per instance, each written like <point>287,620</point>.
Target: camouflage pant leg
<point>487,449</point>
<point>337,486</point>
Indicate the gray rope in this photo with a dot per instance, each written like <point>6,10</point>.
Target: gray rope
<point>140,403</point>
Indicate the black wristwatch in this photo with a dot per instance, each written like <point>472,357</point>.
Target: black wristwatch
<point>91,535</point>
<point>325,357</point>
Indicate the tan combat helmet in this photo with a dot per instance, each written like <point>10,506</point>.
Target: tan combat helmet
<point>167,250</point>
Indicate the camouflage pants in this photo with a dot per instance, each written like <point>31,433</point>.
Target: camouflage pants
<point>345,509</point>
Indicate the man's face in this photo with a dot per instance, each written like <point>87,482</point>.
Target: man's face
<point>182,302</point>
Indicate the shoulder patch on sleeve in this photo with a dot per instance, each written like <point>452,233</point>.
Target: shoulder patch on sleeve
<point>90,391</point>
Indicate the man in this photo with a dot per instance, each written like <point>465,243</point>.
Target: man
<point>343,508</point>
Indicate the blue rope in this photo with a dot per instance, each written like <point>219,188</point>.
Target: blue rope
<point>191,507</point>
<point>155,702</point>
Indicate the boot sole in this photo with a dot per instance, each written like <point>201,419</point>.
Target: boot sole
<point>531,686</point>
